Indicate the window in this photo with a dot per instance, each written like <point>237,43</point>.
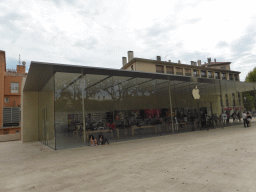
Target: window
<point>14,87</point>
<point>132,67</point>
<point>209,74</point>
<point>234,99</point>
<point>239,99</point>
<point>226,95</point>
<point>187,72</point>
<point>159,68</point>
<point>203,74</point>
<point>6,100</point>
<point>195,73</point>
<point>236,77</point>
<point>223,67</point>
<point>179,71</point>
<point>217,75</point>
<point>169,70</point>
<point>223,76</point>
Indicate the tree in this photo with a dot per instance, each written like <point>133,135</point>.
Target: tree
<point>250,95</point>
<point>251,76</point>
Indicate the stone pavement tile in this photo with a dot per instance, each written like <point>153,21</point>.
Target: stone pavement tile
<point>212,188</point>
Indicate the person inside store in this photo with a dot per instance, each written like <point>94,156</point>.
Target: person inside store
<point>233,116</point>
<point>244,118</point>
<point>227,117</point>
<point>92,140</point>
<point>102,140</point>
<point>248,119</point>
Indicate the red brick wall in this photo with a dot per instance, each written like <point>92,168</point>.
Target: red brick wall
<point>2,71</point>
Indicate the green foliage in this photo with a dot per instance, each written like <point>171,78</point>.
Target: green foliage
<point>251,76</point>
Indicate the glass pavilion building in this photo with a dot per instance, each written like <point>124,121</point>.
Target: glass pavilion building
<point>62,105</point>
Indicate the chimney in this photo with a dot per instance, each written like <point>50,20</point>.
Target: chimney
<point>199,63</point>
<point>209,60</point>
<point>178,61</point>
<point>169,61</point>
<point>214,60</point>
<point>124,61</point>
<point>130,55</point>
<point>21,69</point>
<point>158,58</point>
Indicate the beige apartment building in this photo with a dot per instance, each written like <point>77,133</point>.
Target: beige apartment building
<point>213,70</point>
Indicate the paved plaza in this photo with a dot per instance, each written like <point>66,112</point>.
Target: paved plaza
<point>214,160</point>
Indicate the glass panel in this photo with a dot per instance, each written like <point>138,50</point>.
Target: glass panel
<point>169,70</point>
<point>46,114</point>
<point>100,98</point>
<point>179,71</point>
<point>187,72</point>
<point>203,74</point>
<point>159,68</point>
<point>68,110</point>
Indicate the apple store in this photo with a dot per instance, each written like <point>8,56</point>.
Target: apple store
<point>64,105</point>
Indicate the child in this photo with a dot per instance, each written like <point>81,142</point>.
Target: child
<point>102,140</point>
<point>92,140</point>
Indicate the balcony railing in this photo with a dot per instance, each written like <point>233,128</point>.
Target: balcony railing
<point>203,75</point>
<point>179,73</point>
<point>224,78</point>
<point>187,74</point>
<point>231,78</point>
<point>217,77</point>
<point>159,71</point>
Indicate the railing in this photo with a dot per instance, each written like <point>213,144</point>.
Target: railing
<point>231,78</point>
<point>179,73</point>
<point>217,77</point>
<point>204,76</point>
<point>169,72</point>
<point>159,71</point>
<point>224,78</point>
<point>187,74</point>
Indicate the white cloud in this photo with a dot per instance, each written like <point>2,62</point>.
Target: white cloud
<point>98,33</point>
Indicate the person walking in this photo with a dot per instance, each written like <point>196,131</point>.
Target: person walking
<point>244,118</point>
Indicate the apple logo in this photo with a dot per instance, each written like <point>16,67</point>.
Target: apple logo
<point>195,93</point>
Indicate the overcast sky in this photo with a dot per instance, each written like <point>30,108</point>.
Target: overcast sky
<point>100,32</point>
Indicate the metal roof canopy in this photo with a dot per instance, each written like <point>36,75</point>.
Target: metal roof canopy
<point>40,72</point>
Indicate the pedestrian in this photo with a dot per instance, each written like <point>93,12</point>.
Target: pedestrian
<point>102,140</point>
<point>244,118</point>
<point>248,119</point>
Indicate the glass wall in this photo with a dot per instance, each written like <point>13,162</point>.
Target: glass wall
<point>124,107</point>
<point>68,110</point>
<point>46,130</point>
